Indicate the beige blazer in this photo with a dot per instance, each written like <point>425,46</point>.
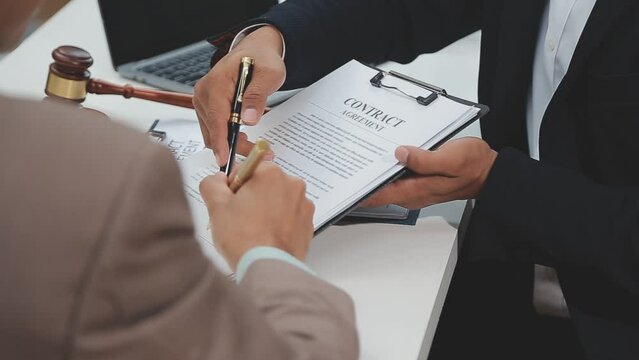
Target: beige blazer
<point>98,258</point>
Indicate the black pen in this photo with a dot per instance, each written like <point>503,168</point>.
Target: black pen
<point>246,71</point>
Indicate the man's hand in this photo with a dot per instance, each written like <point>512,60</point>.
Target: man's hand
<point>214,92</point>
<point>455,171</point>
<point>271,209</point>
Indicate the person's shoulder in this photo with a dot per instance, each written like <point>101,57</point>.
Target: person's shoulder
<point>68,171</point>
<point>74,151</point>
<point>52,126</point>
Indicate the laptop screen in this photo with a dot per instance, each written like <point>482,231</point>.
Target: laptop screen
<point>140,29</point>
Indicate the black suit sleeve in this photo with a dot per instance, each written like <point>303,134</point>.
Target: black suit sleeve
<point>321,35</point>
<point>532,211</point>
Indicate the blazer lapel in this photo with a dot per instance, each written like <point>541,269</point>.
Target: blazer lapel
<point>518,36</point>
<point>518,29</point>
<point>603,16</point>
<point>556,124</point>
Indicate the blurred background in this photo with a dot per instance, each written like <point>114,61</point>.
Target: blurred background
<point>46,11</point>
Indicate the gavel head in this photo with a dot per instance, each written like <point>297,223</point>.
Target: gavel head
<point>68,74</point>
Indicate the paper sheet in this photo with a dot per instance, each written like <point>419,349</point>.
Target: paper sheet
<point>339,135</point>
<point>183,137</point>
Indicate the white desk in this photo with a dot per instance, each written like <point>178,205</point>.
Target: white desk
<point>397,275</point>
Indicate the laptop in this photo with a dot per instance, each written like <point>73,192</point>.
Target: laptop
<point>161,42</point>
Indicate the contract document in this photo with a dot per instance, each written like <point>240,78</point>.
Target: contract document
<point>340,134</point>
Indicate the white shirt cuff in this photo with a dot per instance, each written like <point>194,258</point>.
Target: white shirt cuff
<point>242,34</point>
<point>266,252</point>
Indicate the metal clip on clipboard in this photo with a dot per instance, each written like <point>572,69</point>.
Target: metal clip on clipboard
<point>435,91</point>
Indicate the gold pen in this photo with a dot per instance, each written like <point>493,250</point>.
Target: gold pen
<point>248,167</point>
<point>250,164</point>
<point>243,80</point>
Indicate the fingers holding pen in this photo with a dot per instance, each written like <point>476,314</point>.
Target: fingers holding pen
<point>267,79</point>
<point>212,100</point>
<point>215,192</point>
<point>244,145</point>
<point>215,91</point>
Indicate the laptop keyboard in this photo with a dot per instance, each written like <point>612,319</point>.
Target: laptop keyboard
<point>186,68</point>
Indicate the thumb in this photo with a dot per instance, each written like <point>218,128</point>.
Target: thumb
<point>254,103</point>
<point>421,161</point>
<point>266,81</point>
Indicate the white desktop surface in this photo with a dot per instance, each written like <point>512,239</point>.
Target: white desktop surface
<point>397,275</point>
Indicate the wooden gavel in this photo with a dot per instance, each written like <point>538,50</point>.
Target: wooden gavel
<point>70,79</point>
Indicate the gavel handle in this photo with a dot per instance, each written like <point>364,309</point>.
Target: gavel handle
<point>178,99</point>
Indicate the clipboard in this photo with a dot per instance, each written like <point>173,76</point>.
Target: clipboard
<point>378,81</point>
